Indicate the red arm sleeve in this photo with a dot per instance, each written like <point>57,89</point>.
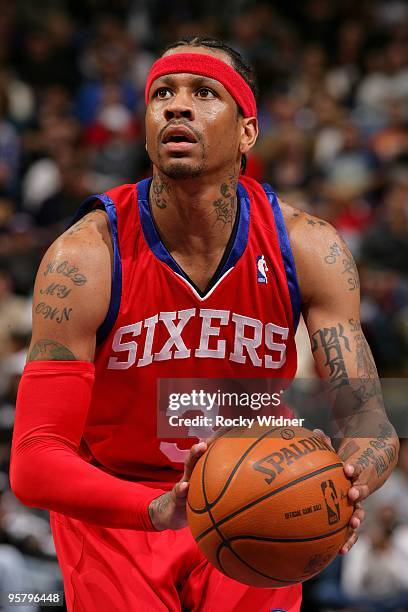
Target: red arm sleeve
<point>47,471</point>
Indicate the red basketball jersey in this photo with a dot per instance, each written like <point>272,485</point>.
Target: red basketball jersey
<point>160,326</point>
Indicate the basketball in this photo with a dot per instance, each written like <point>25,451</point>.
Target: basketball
<point>269,510</point>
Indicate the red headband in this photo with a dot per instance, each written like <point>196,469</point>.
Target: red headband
<point>209,66</point>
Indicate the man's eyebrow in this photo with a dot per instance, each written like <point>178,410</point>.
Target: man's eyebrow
<point>196,81</point>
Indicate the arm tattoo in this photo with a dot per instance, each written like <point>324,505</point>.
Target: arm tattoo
<point>381,452</point>
<point>65,269</point>
<point>364,358</point>
<point>49,350</point>
<point>54,314</point>
<point>330,340</point>
<point>369,385</point>
<point>355,326</point>
<point>350,269</point>
<point>311,221</point>
<point>350,449</point>
<point>349,266</point>
<point>335,252</point>
<point>225,207</point>
<point>56,289</point>
<point>79,225</point>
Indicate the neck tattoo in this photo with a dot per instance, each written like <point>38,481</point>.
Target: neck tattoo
<point>160,192</point>
<point>225,207</point>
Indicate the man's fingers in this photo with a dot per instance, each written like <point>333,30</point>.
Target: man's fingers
<point>358,492</point>
<point>320,434</point>
<point>350,543</point>
<point>352,471</point>
<point>181,490</point>
<point>357,517</point>
<point>195,453</point>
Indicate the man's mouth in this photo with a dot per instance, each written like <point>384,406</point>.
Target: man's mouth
<point>178,133</point>
<point>178,139</point>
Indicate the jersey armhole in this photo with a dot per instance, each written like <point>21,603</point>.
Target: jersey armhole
<point>287,255</point>
<point>104,202</point>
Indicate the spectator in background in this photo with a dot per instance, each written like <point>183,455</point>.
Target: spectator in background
<point>105,64</point>
<point>375,574</point>
<point>384,262</point>
<point>111,142</point>
<point>14,312</point>
<point>386,244</point>
<point>9,150</point>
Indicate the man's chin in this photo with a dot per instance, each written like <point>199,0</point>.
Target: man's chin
<point>179,169</point>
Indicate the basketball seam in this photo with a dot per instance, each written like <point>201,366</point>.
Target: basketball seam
<point>216,524</point>
<point>223,545</point>
<point>266,539</point>
<point>227,544</point>
<point>206,503</point>
<point>234,469</point>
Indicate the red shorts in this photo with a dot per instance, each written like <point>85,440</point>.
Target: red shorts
<point>121,570</point>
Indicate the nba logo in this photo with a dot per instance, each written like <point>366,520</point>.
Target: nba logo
<point>262,269</point>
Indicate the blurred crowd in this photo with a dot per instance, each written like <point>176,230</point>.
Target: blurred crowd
<point>333,110</point>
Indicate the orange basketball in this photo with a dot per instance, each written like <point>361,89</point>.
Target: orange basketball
<point>272,509</point>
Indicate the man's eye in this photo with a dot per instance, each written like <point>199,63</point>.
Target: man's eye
<point>163,92</point>
<point>205,92</point>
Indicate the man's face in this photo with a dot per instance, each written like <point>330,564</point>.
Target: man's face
<point>193,126</point>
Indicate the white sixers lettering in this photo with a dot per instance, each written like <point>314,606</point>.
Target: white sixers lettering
<point>249,335</point>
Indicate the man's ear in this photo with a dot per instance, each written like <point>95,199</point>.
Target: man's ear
<point>249,134</point>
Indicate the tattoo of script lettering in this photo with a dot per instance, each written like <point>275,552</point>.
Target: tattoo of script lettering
<point>55,314</point>
<point>335,252</point>
<point>65,269</point>
<point>328,339</point>
<point>349,266</point>
<point>49,350</point>
<point>355,325</point>
<point>56,289</point>
<point>382,452</point>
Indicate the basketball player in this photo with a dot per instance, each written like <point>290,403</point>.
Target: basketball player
<point>158,280</point>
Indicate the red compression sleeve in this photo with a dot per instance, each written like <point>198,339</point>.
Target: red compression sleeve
<point>46,469</point>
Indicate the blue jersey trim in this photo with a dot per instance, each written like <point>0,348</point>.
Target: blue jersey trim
<point>241,238</point>
<point>287,255</point>
<point>156,245</point>
<point>116,289</point>
<point>149,228</point>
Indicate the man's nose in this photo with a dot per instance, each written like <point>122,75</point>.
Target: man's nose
<point>179,107</point>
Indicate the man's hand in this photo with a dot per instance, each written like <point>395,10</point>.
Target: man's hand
<point>357,492</point>
<point>169,510</point>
